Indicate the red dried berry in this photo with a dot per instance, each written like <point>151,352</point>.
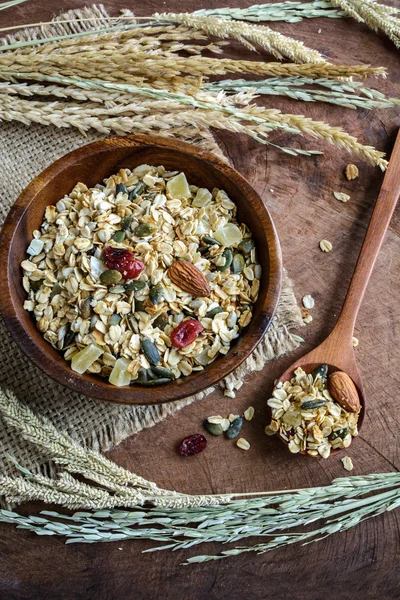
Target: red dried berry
<point>193,444</point>
<point>124,261</point>
<point>186,333</point>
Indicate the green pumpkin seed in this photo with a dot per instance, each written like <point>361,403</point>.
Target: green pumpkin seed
<point>238,263</point>
<point>156,293</point>
<point>322,371</point>
<point>234,429</point>
<point>86,309</point>
<point>161,321</point>
<point>203,249</point>
<point>150,351</point>
<point>135,285</point>
<point>228,255</point>
<point>154,382</point>
<point>142,376</point>
<point>144,229</point>
<point>126,223</point>
<point>246,245</point>
<point>121,189</point>
<point>68,338</point>
<point>119,236</point>
<point>210,241</point>
<point>139,306</point>
<point>151,375</point>
<point>110,277</point>
<point>214,311</point>
<point>161,373</point>
<point>311,404</point>
<point>137,191</point>
<point>213,428</point>
<point>115,319</point>
<point>339,433</point>
<point>117,289</point>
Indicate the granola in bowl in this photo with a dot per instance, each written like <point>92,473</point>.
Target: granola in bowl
<point>142,279</point>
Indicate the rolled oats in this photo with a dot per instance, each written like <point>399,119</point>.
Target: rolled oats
<point>71,291</point>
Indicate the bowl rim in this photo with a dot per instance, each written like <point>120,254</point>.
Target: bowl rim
<point>93,386</point>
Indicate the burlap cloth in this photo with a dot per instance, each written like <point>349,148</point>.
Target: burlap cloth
<point>25,152</point>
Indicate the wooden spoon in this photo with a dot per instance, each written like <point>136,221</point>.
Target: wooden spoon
<point>337,349</point>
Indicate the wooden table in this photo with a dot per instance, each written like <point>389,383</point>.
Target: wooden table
<point>361,563</point>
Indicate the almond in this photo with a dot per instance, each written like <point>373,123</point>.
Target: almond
<point>189,278</point>
<point>343,390</point>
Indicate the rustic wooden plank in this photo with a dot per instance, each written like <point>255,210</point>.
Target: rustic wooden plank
<point>361,563</point>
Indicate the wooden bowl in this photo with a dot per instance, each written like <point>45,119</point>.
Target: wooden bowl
<point>91,164</point>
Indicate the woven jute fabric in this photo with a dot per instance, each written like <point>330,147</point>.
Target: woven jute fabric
<point>24,152</point>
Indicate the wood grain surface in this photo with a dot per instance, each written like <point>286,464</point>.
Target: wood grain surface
<point>362,563</point>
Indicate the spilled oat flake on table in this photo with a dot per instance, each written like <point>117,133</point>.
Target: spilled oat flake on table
<point>24,152</point>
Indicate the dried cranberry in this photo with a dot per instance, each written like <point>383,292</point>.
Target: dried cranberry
<point>124,261</point>
<point>193,444</point>
<point>185,333</point>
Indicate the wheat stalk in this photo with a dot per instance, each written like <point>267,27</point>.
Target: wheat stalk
<point>376,16</point>
<point>250,35</point>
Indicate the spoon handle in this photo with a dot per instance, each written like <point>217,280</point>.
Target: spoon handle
<point>381,216</point>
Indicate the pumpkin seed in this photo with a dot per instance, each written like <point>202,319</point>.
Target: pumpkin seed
<point>234,429</point>
<point>238,263</point>
<point>139,306</point>
<point>322,371</point>
<point>121,189</point>
<point>117,289</point>
<point>57,289</point>
<point>203,249</point>
<point>210,241</point>
<point>110,277</point>
<point>115,319</point>
<point>161,321</point>
<point>142,376</point>
<point>135,285</point>
<point>213,428</point>
<point>86,308</point>
<point>137,191</point>
<point>156,293</point>
<point>144,229</point>
<point>119,236</point>
<point>214,311</point>
<point>227,254</point>
<point>162,373</point>
<point>339,433</point>
<point>311,404</point>
<point>246,245</point>
<point>68,338</point>
<point>151,375</point>
<point>150,351</point>
<point>153,382</point>
<point>126,223</point>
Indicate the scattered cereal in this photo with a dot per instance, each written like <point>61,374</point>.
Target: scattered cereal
<point>351,172</point>
<point>249,413</point>
<point>341,196</point>
<point>243,444</point>
<point>308,301</point>
<point>325,246</point>
<point>347,463</point>
<point>355,342</point>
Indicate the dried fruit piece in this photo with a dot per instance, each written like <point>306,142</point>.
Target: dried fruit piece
<point>193,444</point>
<point>178,187</point>
<point>189,278</point>
<point>202,198</point>
<point>185,333</point>
<point>343,390</point>
<point>351,172</point>
<point>124,261</point>
<point>83,359</point>
<point>228,235</point>
<point>120,375</point>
